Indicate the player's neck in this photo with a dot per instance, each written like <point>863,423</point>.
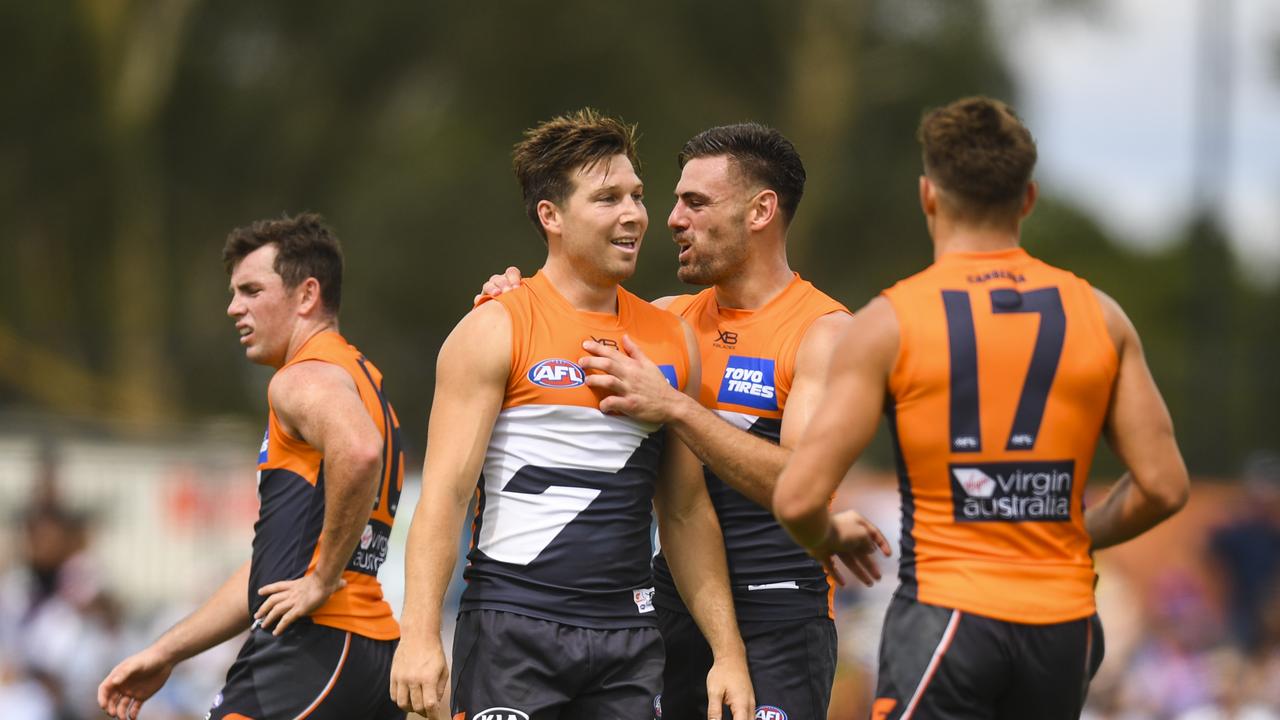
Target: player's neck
<point>760,280</point>
<point>304,331</point>
<point>955,237</point>
<point>582,292</point>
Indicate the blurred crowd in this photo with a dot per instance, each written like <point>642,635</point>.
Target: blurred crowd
<point>1181,644</point>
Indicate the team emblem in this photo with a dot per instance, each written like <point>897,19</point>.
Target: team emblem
<point>769,712</point>
<point>500,713</point>
<point>557,373</point>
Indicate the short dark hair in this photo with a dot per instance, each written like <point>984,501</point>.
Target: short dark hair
<point>552,150</point>
<point>305,247</point>
<point>978,149</point>
<point>761,153</point>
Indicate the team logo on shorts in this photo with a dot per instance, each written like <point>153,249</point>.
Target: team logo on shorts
<point>643,598</point>
<point>657,706</point>
<point>500,713</point>
<point>557,373</point>
<point>769,712</point>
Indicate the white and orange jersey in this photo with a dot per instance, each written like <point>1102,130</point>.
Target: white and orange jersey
<point>998,397</point>
<point>286,539</point>
<point>748,365</point>
<point>562,528</point>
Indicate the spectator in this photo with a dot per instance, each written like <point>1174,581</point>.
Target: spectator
<point>1247,550</point>
<point>57,626</point>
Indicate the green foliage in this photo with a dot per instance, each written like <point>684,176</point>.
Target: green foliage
<point>136,134</point>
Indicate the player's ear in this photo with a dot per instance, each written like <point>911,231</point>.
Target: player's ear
<point>762,209</point>
<point>308,295</point>
<point>928,197</point>
<point>550,217</point>
<point>1029,199</point>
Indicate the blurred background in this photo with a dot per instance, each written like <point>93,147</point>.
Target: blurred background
<point>135,133</point>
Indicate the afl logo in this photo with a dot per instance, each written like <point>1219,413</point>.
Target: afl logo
<point>769,712</point>
<point>556,373</point>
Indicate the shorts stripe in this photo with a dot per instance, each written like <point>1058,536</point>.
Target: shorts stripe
<point>1088,656</point>
<point>934,662</point>
<point>346,646</point>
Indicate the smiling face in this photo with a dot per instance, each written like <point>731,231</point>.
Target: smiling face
<point>265,311</point>
<point>599,227</point>
<point>709,220</point>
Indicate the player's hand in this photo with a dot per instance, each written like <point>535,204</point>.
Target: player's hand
<point>289,600</point>
<point>498,284</point>
<point>632,383</point>
<point>131,683</point>
<point>420,677</point>
<point>729,683</point>
<point>854,539</point>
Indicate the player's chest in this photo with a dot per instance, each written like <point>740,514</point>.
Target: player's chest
<point>741,368</point>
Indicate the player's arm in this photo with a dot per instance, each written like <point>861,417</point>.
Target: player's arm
<point>694,547</point>
<point>1140,431</point>
<point>318,403</point>
<point>471,378</point>
<point>138,677</point>
<point>748,463</point>
<point>840,428</point>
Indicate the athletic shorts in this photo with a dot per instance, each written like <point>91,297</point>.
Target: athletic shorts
<point>507,665</point>
<point>311,671</point>
<point>792,665</point>
<point>937,662</point>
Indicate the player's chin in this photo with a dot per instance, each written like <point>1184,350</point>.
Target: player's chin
<point>693,274</point>
<point>622,268</point>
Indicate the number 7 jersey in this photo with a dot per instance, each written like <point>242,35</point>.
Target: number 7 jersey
<point>998,396</point>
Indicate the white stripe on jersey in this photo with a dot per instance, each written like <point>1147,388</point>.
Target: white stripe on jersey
<point>517,527</point>
<point>742,421</point>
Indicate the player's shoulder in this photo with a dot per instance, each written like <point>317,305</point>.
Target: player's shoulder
<point>488,318</point>
<point>307,378</point>
<point>522,294</point>
<point>644,312</point>
<point>815,298</point>
<point>682,304</point>
<point>1119,326</point>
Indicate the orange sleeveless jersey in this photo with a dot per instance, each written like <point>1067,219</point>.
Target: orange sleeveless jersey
<point>748,364</point>
<point>998,396</point>
<point>565,495</point>
<point>291,494</point>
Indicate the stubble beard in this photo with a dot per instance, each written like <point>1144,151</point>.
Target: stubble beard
<point>711,269</point>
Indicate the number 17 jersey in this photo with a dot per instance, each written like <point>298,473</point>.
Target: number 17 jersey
<point>1002,383</point>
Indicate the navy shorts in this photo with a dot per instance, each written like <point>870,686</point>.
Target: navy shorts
<point>937,662</point>
<point>508,665</point>
<point>311,671</point>
<point>792,665</point>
